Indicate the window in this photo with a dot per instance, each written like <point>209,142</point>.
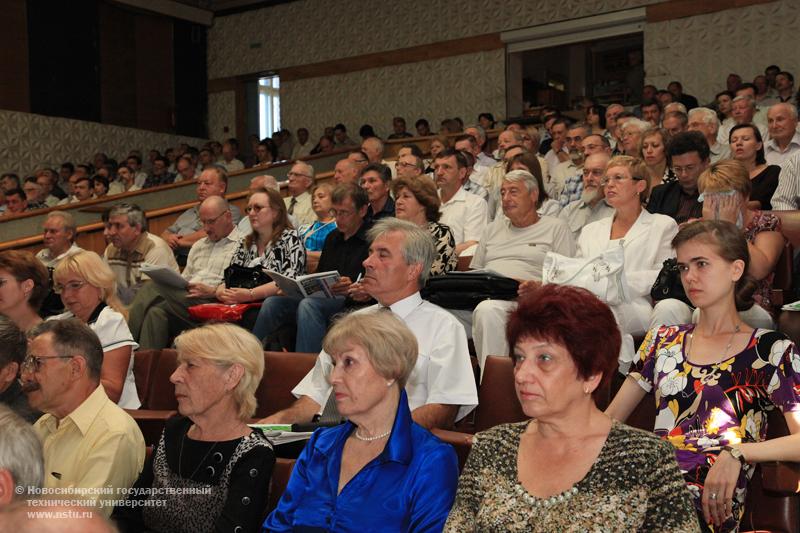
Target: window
<point>269,106</point>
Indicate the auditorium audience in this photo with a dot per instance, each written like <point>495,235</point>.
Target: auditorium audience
<point>573,165</point>
<point>346,171</point>
<point>409,166</point>
<point>651,112</point>
<point>344,251</point>
<point>346,476</point>
<point>504,247</point>
<point>518,476</point>
<point>784,139</point>
<point>132,245</point>
<point>314,235</point>
<point>518,159</point>
<point>58,238</point>
<point>423,128</point>
<point>417,201</point>
<point>230,152</point>
<point>396,269</point>
<point>466,214</point>
<point>688,157</point>
<point>675,122</point>
<point>748,148</point>
<point>717,431</point>
<point>298,202</point>
<point>159,311</point>
<point>373,149</point>
<point>653,152</point>
<point>479,133</point>
<point>219,369</point>
<point>631,136</point>
<point>16,202</point>
<point>88,289</point>
<point>13,348</point>
<point>159,175</point>
<point>375,180</point>
<point>186,170</point>
<point>34,194</point>
<point>23,287</point>
<point>744,111</point>
<point>591,204</point>
<point>88,441</point>
<point>573,186</point>
<point>399,129</point>
<point>705,121</point>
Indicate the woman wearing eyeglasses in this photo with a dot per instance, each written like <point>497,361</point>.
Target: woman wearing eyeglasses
<point>88,289</point>
<point>272,245</point>
<point>645,238</point>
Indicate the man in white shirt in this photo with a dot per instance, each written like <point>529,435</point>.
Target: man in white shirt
<point>131,245</point>
<point>230,149</point>
<point>787,195</point>
<point>592,204</point>
<point>160,311</point>
<point>298,203</point>
<point>465,213</point>
<point>744,112</point>
<point>441,388</point>
<point>784,140</point>
<point>59,238</point>
<point>483,160</point>
<point>346,171</point>
<point>706,122</point>
<point>302,148</point>
<point>514,246</point>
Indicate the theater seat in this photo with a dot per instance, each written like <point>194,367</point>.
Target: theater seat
<point>497,399</point>
<point>159,403</point>
<point>144,363</point>
<point>277,484</point>
<point>282,372</point>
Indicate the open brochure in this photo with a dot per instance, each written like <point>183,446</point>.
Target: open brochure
<point>163,274</point>
<point>282,433</point>
<point>311,285</point>
<point>794,306</point>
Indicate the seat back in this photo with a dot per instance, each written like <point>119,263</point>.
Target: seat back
<point>277,483</point>
<point>497,399</point>
<point>162,391</point>
<point>282,372</point>
<point>782,282</point>
<point>144,363</point>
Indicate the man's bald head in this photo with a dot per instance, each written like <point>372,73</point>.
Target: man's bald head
<point>263,182</point>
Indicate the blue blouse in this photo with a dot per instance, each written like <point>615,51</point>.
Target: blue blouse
<point>410,486</point>
<point>313,236</point>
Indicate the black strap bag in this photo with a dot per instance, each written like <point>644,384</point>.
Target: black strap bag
<point>668,284</point>
<point>465,290</point>
<point>242,277</point>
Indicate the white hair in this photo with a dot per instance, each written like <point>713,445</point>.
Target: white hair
<point>747,98</point>
<point>524,177</point>
<point>677,105</point>
<point>20,451</point>
<point>787,106</point>
<point>706,115</point>
<point>635,123</point>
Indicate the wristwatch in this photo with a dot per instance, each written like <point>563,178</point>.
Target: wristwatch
<point>736,453</point>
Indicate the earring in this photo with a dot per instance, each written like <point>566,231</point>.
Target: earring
<point>586,391</point>
<point>390,383</point>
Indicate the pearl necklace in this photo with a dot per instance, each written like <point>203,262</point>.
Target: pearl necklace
<point>370,439</point>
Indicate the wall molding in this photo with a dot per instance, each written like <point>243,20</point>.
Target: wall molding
<point>677,9</point>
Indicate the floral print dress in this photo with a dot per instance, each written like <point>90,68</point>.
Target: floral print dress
<point>701,408</point>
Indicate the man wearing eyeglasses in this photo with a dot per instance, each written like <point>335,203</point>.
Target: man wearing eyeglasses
<point>160,311</point>
<point>688,156</point>
<point>89,442</point>
<point>573,186</point>
<point>298,203</point>
<point>591,204</point>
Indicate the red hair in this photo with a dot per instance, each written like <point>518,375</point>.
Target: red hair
<point>577,320</point>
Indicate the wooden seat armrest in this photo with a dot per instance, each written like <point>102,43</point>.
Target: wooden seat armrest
<point>781,476</point>
<point>456,438</point>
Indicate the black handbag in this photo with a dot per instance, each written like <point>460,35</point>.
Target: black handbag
<point>668,283</point>
<point>242,277</point>
<point>465,290</point>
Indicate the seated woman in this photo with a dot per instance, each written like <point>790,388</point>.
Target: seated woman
<point>438,145</point>
<point>272,245</point>
<point>654,153</point>
<point>314,235</point>
<point>222,466</point>
<point>714,381</point>
<point>748,147</point>
<point>88,289</point>
<point>726,189</point>
<point>417,201</point>
<point>645,238</point>
<point>571,467</point>
<point>379,471</point>
<point>596,118</point>
<point>24,285</point>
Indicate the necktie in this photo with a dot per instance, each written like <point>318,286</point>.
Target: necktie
<point>292,204</point>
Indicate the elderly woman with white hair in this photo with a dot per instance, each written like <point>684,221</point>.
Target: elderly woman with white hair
<point>219,467</point>
<point>631,135</point>
<point>379,471</point>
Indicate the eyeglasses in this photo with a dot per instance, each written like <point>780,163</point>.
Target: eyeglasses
<point>688,169</point>
<point>403,164</point>
<point>596,172</point>
<point>255,208</point>
<point>71,286</point>
<point>341,213</point>
<point>210,221</point>
<point>33,363</point>
<point>291,175</point>
<point>618,179</point>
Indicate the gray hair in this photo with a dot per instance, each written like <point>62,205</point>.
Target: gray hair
<point>20,452</point>
<point>707,115</point>
<point>524,177</point>
<point>71,337</point>
<point>481,132</point>
<point>786,105</point>
<point>747,98</point>
<point>678,107</point>
<point>587,130</point>
<point>133,212</point>
<point>66,218</point>
<point>635,123</point>
<point>418,246</point>
<point>309,168</point>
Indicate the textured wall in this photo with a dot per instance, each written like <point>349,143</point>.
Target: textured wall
<point>221,115</point>
<point>29,141</point>
<point>701,51</point>
<point>455,86</point>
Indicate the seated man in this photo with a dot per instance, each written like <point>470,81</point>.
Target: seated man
<point>346,171</point>
<point>34,193</point>
<point>344,250</point>
<point>21,463</point>
<point>784,139</point>
<point>188,229</point>
<point>787,196</point>
<point>58,239</point>
<point>573,186</point>
<point>131,245</point>
<point>82,189</point>
<point>688,156</point>
<point>466,214</point>
<point>89,442</point>
<point>230,151</point>
<point>514,246</point>
<point>13,346</point>
<point>705,121</point>
<point>409,166</point>
<point>298,203</point>
<point>160,311</point>
<point>572,166</point>
<point>592,204</point>
<point>160,174</point>
<point>375,180</point>
<point>16,202</point>
<point>441,387</point>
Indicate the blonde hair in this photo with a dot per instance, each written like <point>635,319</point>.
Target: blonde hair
<point>637,168</point>
<point>226,345</point>
<point>391,347</point>
<point>96,272</point>
<point>726,175</point>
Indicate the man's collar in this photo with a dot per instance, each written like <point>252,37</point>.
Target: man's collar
<point>459,196</point>
<point>84,415</point>
<point>403,308</point>
<point>234,235</point>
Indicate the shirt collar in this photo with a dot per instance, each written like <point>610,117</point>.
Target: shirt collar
<point>84,415</point>
<point>459,196</point>
<point>403,308</point>
<point>234,236</point>
<point>772,144</point>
